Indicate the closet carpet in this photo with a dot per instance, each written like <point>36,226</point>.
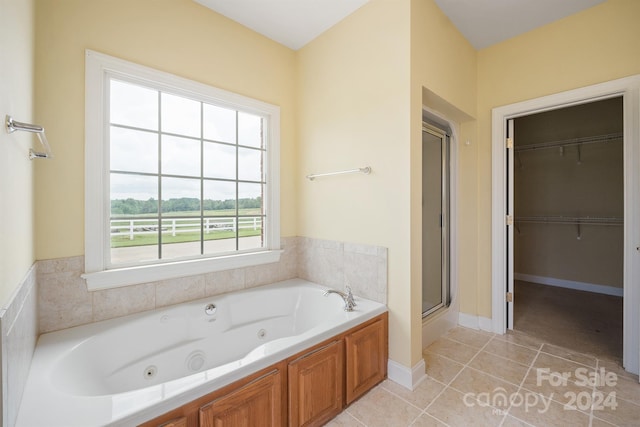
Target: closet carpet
<point>582,321</point>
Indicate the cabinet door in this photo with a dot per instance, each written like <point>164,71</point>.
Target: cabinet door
<point>178,422</point>
<point>258,403</point>
<point>316,386</point>
<point>366,359</point>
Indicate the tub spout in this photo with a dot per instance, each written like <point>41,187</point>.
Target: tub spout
<point>349,301</point>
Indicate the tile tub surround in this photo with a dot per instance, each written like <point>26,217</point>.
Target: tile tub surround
<point>19,326</point>
<point>337,264</point>
<point>64,302</point>
<point>469,361</point>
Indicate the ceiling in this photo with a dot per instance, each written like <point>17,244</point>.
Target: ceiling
<point>294,23</point>
<point>487,22</point>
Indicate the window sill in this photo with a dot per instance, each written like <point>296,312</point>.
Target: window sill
<point>115,278</point>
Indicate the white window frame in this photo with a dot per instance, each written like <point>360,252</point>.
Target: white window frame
<point>100,67</point>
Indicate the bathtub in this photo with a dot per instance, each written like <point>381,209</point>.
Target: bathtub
<point>131,369</point>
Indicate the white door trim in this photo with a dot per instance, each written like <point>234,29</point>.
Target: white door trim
<point>629,88</point>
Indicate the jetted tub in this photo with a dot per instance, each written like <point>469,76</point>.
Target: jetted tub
<point>131,369</point>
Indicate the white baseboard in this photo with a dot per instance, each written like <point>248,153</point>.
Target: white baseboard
<point>408,378</point>
<point>475,322</point>
<point>570,284</point>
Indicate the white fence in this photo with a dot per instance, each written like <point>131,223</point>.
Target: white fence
<point>135,227</point>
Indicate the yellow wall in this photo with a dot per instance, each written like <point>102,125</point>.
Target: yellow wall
<point>360,91</point>
<point>443,78</point>
<point>594,46</point>
<point>16,170</point>
<point>177,36</point>
<point>353,102</point>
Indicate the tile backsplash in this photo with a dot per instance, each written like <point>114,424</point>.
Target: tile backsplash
<point>338,264</point>
<point>63,299</point>
<point>19,328</point>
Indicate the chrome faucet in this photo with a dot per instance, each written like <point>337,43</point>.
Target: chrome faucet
<point>349,301</point>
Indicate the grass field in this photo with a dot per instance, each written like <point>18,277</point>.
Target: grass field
<point>141,222</point>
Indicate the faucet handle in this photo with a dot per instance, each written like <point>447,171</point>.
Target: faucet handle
<point>350,300</point>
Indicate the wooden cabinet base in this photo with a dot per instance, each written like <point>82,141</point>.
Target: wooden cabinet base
<point>316,382</point>
<point>366,358</point>
<point>258,403</point>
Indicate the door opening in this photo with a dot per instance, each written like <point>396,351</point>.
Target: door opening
<point>565,248</point>
<point>628,89</point>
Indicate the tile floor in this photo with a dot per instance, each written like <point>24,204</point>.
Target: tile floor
<point>481,379</point>
<point>584,321</point>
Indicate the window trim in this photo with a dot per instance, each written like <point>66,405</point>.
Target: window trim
<point>99,67</point>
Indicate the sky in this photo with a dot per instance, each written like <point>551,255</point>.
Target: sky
<point>134,147</point>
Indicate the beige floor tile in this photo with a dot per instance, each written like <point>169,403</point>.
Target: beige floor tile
<point>555,387</point>
<point>511,421</point>
<point>547,413</point>
<point>426,420</point>
<point>441,368</point>
<point>344,420</point>
<point>600,423</point>
<point>421,397</point>
<point>624,388</point>
<point>521,339</point>
<point>562,366</point>
<point>497,366</point>
<point>497,370</point>
<point>616,367</point>
<point>623,414</point>
<point>469,336</point>
<point>568,354</point>
<point>585,322</point>
<point>382,408</point>
<point>509,350</point>
<point>451,408</point>
<point>479,383</point>
<point>453,350</point>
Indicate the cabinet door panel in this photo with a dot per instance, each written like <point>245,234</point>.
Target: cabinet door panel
<point>316,386</point>
<point>366,359</point>
<point>256,404</point>
<point>179,422</point>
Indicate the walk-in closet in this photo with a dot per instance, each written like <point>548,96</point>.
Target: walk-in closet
<point>568,203</point>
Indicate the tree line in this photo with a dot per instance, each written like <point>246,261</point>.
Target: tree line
<point>184,204</point>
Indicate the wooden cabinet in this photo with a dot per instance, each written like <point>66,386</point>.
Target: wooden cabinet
<point>316,383</point>
<point>178,422</point>
<point>256,404</point>
<point>366,358</point>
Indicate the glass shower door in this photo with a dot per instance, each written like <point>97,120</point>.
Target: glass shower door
<point>435,219</point>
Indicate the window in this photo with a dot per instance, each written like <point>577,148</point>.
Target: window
<point>181,178</point>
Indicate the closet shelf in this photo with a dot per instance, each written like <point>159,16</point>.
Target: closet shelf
<point>611,137</point>
<point>576,220</point>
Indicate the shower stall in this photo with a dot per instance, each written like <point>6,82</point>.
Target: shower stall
<point>435,219</point>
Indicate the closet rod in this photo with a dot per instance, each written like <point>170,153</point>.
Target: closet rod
<point>584,220</point>
<point>571,142</point>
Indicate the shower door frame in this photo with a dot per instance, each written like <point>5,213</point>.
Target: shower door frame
<point>445,215</point>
